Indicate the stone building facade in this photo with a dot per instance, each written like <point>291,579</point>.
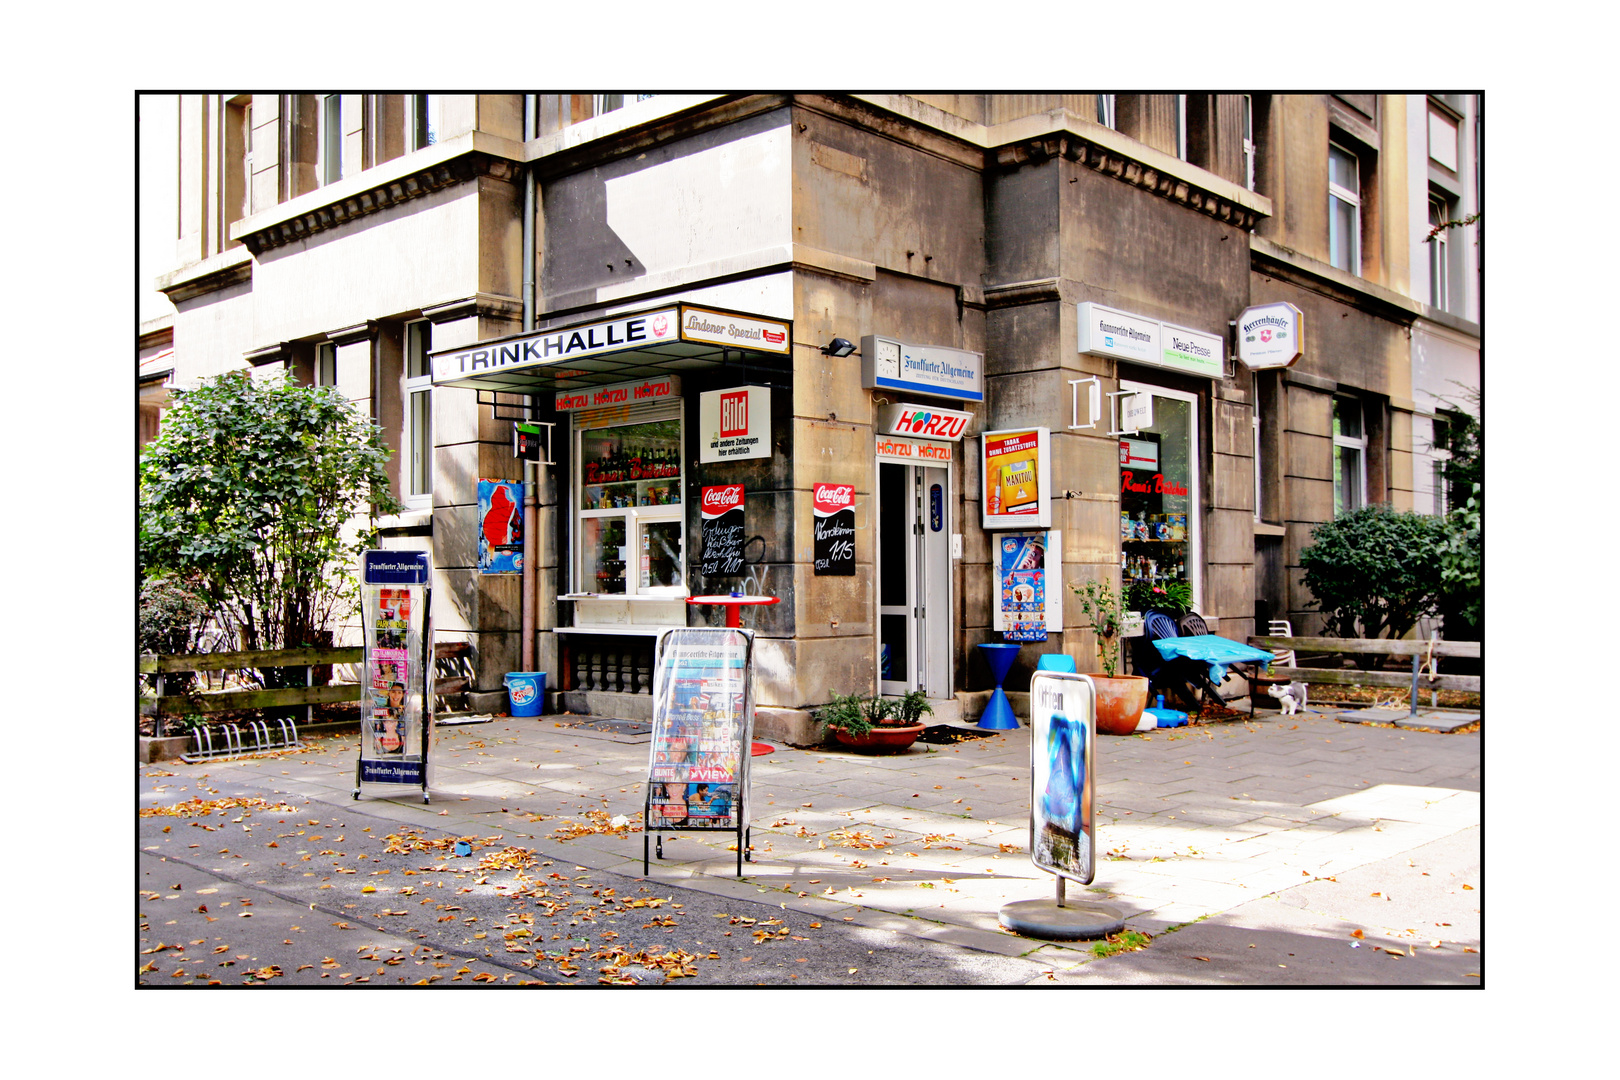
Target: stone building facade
<point>417,251</point>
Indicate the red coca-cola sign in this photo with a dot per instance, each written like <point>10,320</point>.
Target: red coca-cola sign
<point>718,500</point>
<point>830,498</point>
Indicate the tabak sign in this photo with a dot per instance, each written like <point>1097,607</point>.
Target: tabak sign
<point>1017,479</point>
<point>723,530</point>
<point>834,510</point>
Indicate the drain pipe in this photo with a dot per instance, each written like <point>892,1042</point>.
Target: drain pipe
<point>530,505</point>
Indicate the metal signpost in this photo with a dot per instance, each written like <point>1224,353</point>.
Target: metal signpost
<point>703,728</point>
<point>396,709</point>
<point>1062,836</point>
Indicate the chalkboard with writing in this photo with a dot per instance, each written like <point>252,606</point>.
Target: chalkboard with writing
<point>724,532</point>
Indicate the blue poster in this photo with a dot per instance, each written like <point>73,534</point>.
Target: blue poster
<point>1021,576</point>
<point>500,527</point>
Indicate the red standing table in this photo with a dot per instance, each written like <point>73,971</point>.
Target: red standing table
<point>734,604</point>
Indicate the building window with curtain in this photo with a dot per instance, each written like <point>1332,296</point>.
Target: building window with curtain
<point>1105,111</point>
<point>326,364</point>
<point>1344,209</point>
<point>416,474</point>
<point>1349,456</point>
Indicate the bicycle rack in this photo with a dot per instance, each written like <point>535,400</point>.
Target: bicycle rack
<point>231,743</point>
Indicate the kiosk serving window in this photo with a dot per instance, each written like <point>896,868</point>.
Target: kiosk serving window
<point>627,481</point>
<point>1158,497</point>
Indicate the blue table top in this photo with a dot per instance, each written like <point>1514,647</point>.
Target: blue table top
<point>1217,651</point>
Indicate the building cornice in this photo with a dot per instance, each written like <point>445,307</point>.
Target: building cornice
<point>1286,264</point>
<point>234,267</point>
<point>455,161</point>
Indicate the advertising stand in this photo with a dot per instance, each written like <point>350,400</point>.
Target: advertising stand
<point>1062,824</point>
<point>703,728</point>
<point>395,707</point>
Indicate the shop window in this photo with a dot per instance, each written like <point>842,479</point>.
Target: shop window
<point>631,535</point>
<point>1158,497</point>
<point>1344,209</point>
<point>1349,456</point>
<point>417,449</point>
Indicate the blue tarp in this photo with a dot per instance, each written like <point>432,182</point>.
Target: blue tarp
<point>1218,651</point>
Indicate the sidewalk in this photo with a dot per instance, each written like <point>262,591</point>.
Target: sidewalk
<point>1250,850</point>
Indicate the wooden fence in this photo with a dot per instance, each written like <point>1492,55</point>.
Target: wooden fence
<point>1417,651</point>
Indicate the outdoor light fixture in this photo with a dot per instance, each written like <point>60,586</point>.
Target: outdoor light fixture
<point>838,347</point>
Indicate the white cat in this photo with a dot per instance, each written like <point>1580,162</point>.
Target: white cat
<point>1291,695</point>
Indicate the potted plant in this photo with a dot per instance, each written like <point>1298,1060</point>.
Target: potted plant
<point>875,723</point>
<point>1174,598</point>
<point>1120,698</point>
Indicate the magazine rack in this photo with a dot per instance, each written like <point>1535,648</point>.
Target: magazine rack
<point>396,691</point>
<point>702,734</point>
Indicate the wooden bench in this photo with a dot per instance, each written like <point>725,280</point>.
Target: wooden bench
<point>1418,651</point>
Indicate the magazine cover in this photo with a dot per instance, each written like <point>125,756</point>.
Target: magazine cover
<point>700,724</point>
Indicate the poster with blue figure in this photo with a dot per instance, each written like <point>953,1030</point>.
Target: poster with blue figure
<point>500,527</point>
<point>1062,708</point>
<point>1026,610</point>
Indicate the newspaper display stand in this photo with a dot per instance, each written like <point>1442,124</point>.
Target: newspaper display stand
<point>1062,825</point>
<point>396,711</point>
<point>702,732</point>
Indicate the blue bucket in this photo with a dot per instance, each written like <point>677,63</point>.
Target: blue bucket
<point>527,692</point>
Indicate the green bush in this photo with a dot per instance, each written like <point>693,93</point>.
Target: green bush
<point>171,616</point>
<point>252,491</point>
<point>1375,572</point>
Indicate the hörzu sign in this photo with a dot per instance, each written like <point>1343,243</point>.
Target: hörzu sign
<point>923,422</point>
<point>667,388</point>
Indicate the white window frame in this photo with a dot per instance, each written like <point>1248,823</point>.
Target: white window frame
<point>1439,255</point>
<point>635,518</point>
<point>422,120</point>
<point>1347,442</point>
<point>416,442</point>
<point>1195,530</point>
<point>1339,193</point>
<point>1106,114</point>
<point>325,364</point>
<point>329,138</point>
<point>1248,141</point>
<point>1181,127</point>
<point>1444,138</point>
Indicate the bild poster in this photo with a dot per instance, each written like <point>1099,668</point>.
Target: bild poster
<point>1062,711</point>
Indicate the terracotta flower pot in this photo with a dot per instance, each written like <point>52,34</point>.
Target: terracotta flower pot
<point>1120,701</point>
<point>880,740</point>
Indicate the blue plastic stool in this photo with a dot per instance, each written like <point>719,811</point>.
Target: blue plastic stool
<point>1056,662</point>
<point>998,714</point>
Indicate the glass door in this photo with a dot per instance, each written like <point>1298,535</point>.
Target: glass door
<point>914,596</point>
<point>1159,529</point>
